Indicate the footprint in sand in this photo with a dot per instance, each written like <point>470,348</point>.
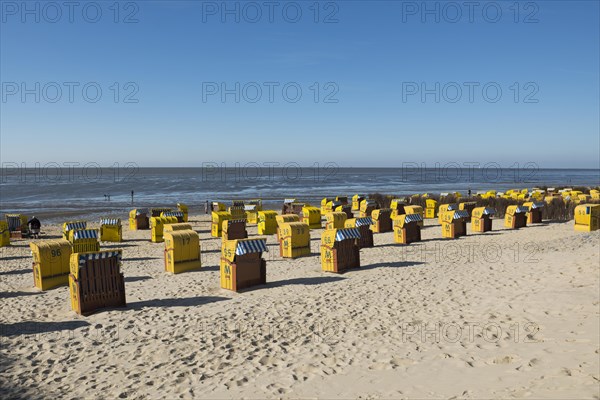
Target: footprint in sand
<point>505,360</point>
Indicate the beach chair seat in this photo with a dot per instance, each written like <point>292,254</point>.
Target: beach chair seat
<point>516,217</point>
<point>111,230</point>
<point>382,220</point>
<point>242,265</point>
<point>4,234</point>
<point>96,281</point>
<point>454,223</point>
<point>339,250</point>
<point>216,226</point>
<point>139,219</point>
<point>185,210</point>
<point>157,225</point>
<point>587,217</point>
<point>182,250</point>
<point>17,225</point>
<point>367,206</point>
<point>481,219</point>
<point>414,209</point>
<point>294,240</point>
<point>234,229</point>
<point>312,217</point>
<point>356,200</point>
<point>51,260</point>
<point>335,220</point>
<point>407,229</point>
<point>364,227</point>
<point>534,215</point>
<point>267,222</point>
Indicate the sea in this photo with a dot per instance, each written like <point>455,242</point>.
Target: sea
<point>94,191</point>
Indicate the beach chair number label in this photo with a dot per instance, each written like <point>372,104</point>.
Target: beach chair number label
<point>55,253</point>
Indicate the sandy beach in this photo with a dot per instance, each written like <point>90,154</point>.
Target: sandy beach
<point>505,314</point>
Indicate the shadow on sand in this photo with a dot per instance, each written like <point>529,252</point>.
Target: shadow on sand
<point>398,264</point>
<point>175,302</point>
<point>316,280</point>
<point>17,272</point>
<point>137,278</point>
<point>142,258</point>
<point>33,327</point>
<point>6,295</point>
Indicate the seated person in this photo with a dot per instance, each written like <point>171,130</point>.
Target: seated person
<point>34,227</point>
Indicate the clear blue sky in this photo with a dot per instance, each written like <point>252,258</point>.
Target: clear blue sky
<point>373,56</point>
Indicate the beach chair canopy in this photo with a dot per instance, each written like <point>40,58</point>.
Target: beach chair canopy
<point>250,246</point>
<point>404,219</point>
<point>83,258</point>
<point>449,216</point>
<point>458,214</point>
<point>85,234</point>
<point>347,233</point>
<point>413,218</point>
<point>364,221</point>
<point>178,214</point>
<point>75,225</point>
<point>512,210</point>
<point>110,221</point>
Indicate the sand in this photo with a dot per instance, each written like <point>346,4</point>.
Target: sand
<point>497,315</point>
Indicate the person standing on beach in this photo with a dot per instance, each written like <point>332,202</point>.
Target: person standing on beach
<point>132,197</point>
<point>206,207</point>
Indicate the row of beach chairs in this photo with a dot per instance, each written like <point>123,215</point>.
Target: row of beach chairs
<point>96,282</point>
